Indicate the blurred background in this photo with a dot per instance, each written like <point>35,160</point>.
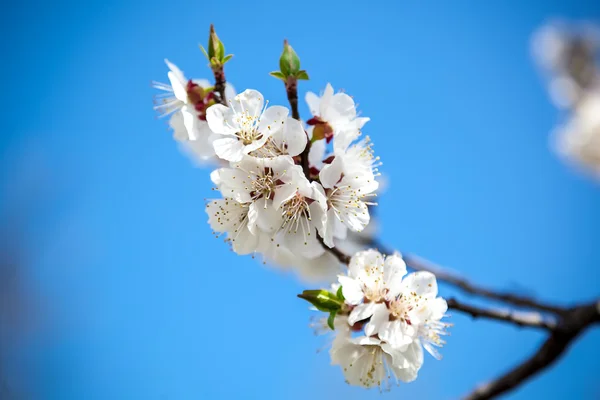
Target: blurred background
<point>112,285</point>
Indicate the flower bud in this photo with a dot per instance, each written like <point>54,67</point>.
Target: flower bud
<point>322,300</point>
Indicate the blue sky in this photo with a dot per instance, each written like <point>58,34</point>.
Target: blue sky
<point>150,306</point>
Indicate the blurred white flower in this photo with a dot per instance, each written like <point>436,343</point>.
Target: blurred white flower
<point>579,139</point>
<point>369,361</point>
<point>186,102</point>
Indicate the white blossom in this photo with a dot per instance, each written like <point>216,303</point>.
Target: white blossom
<point>246,125</point>
<point>400,309</point>
<point>349,182</point>
<point>369,361</point>
<point>228,216</point>
<point>333,114</point>
<point>303,208</point>
<point>186,101</point>
<point>289,141</point>
<point>258,182</point>
<point>579,139</point>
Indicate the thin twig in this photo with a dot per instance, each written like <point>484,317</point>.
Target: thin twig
<point>420,264</point>
<point>442,274</point>
<point>220,84</point>
<point>291,88</point>
<point>573,323</point>
<point>524,319</point>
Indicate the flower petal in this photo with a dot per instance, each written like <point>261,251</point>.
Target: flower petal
<point>394,270</point>
<point>294,137</point>
<point>423,283</point>
<point>229,149</point>
<point>317,153</point>
<point>249,102</point>
<point>314,102</point>
<point>361,312</point>
<point>331,174</point>
<point>219,120</point>
<point>379,317</point>
<point>178,82</point>
<point>351,289</point>
<point>272,120</point>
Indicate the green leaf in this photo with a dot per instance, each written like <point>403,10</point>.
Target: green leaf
<point>322,300</point>
<point>331,320</point>
<point>302,75</point>
<point>212,44</point>
<point>278,75</point>
<point>204,52</point>
<point>220,49</point>
<point>283,66</point>
<point>227,58</point>
<point>340,294</point>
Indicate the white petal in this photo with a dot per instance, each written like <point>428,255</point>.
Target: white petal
<point>249,101</point>
<point>317,153</point>
<point>343,139</point>
<point>283,193</point>
<point>331,174</point>
<point>269,218</point>
<point>314,102</point>
<point>351,289</point>
<point>361,312</point>
<point>252,218</point>
<point>356,218</point>
<point>178,82</point>
<point>220,120</point>
<point>191,121</point>
<point>394,270</point>
<point>273,119</point>
<point>294,137</point>
<point>379,317</point>
<point>423,283</point>
<point>229,91</point>
<point>244,242</point>
<point>229,149</point>
<point>368,258</point>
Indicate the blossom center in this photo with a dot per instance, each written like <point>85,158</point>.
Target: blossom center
<point>296,215</point>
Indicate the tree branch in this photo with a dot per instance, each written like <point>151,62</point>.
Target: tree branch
<point>523,319</point>
<point>573,323</point>
<point>220,84</point>
<point>420,264</point>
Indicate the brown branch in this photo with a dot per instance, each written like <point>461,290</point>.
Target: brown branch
<point>220,84</point>
<point>523,319</point>
<point>291,88</point>
<point>572,324</point>
<point>420,264</point>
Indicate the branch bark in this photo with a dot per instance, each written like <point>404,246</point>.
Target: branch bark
<point>519,318</point>
<point>220,84</point>
<point>573,323</point>
<point>420,264</point>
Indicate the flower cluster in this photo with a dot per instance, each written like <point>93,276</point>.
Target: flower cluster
<point>383,319</point>
<point>290,191</point>
<point>269,205</point>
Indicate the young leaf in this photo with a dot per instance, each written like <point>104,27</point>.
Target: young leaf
<point>227,58</point>
<point>331,320</point>
<point>302,75</point>
<point>278,75</point>
<point>204,52</point>
<point>322,300</point>
<point>340,294</point>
